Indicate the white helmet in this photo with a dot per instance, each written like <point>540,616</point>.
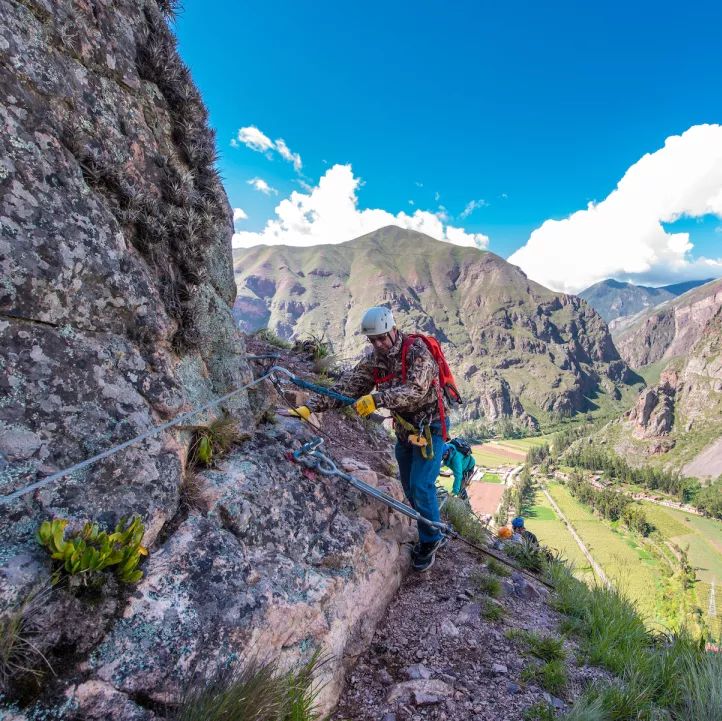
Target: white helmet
<point>377,321</point>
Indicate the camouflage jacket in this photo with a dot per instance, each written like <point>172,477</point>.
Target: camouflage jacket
<point>416,400</point>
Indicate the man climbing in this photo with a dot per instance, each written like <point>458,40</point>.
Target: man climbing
<point>462,466</point>
<point>407,383</point>
<point>518,528</point>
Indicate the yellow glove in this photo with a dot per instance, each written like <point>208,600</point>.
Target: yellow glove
<point>302,412</point>
<point>365,405</point>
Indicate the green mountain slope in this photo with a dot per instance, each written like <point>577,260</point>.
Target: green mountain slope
<point>518,349</point>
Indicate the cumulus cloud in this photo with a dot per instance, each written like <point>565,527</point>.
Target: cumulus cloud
<point>262,186</point>
<point>623,236</point>
<point>239,214</point>
<point>330,214</point>
<point>255,139</point>
<point>471,206</point>
<point>286,154</point>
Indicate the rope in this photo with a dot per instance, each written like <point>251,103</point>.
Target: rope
<point>115,449</point>
<point>325,465</point>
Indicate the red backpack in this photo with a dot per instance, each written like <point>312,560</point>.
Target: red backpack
<point>445,384</point>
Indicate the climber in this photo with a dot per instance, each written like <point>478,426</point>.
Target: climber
<point>462,465</point>
<point>406,378</point>
<point>519,529</point>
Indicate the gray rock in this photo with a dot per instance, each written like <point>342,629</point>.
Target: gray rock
<point>416,671</point>
<point>385,677</point>
<point>513,688</point>
<point>447,628</point>
<point>422,689</point>
<point>499,668</point>
<point>469,615</point>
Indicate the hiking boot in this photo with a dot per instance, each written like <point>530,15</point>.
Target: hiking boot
<point>426,556</point>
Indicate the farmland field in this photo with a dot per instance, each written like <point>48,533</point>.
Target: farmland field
<point>552,532</point>
<point>494,454</point>
<point>623,558</point>
<point>702,538</point>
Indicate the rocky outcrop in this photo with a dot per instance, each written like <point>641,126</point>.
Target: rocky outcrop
<point>115,316</point>
<point>671,330</point>
<point>653,414</point>
<point>524,352</point>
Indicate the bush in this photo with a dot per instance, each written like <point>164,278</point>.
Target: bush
<point>539,712</point>
<point>212,439</point>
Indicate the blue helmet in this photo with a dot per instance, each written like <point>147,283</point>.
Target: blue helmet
<point>518,522</point>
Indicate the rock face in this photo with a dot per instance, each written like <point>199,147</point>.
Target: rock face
<point>519,350</point>
<point>671,330</point>
<point>115,315</point>
<point>678,421</point>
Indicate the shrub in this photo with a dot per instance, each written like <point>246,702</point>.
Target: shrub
<point>545,648</point>
<point>529,556</point>
<point>92,550</point>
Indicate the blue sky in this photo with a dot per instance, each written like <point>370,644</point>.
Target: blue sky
<point>534,109</point>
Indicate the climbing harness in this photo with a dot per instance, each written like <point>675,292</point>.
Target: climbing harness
<point>420,437</point>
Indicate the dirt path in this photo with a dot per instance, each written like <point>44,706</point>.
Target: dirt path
<point>597,568</point>
<point>434,656</point>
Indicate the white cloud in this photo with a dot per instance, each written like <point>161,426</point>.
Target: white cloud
<point>330,214</point>
<point>256,139</point>
<point>239,214</point>
<point>437,196</point>
<point>286,154</point>
<point>253,138</point>
<point>262,186</point>
<point>411,202</point>
<point>471,206</point>
<point>623,236</point>
<point>418,184</point>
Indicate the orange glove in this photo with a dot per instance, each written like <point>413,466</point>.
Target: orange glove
<point>365,405</point>
<point>302,412</point>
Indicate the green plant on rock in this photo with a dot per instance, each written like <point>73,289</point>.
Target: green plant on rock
<point>551,676</point>
<point>255,692</point>
<point>19,652</point>
<point>529,556</point>
<point>498,569</point>
<point>267,335</point>
<point>487,584</point>
<point>92,550</point>
<point>539,712</point>
<point>212,439</point>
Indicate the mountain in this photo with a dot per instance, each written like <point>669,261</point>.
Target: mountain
<point>677,419</point>
<point>670,330</point>
<point>613,299</point>
<point>519,350</point>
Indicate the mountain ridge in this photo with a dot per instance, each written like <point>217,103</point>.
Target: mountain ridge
<point>519,350</point>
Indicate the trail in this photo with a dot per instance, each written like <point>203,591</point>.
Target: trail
<point>597,568</point>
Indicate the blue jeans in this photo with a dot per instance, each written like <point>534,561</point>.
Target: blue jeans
<point>418,477</point>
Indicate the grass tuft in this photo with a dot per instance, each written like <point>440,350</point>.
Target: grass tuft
<point>487,584</point>
<point>267,335</point>
<point>498,569</point>
<point>551,676</point>
<point>464,522</point>
<point>256,692</point>
<point>493,611</point>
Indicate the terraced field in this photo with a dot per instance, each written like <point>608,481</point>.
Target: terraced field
<point>495,454</point>
<point>624,560</point>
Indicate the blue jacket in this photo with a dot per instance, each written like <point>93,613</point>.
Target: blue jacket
<point>459,464</point>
